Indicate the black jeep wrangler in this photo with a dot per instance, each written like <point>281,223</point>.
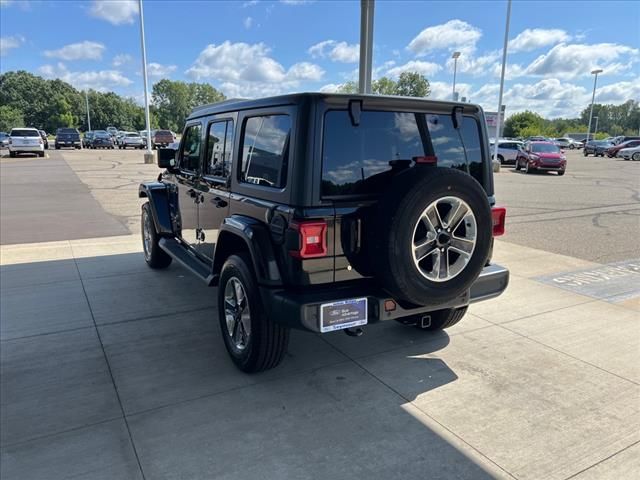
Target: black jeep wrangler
<point>327,212</point>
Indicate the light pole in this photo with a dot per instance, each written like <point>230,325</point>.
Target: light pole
<point>593,97</point>
<point>504,64</point>
<point>595,130</point>
<point>86,97</point>
<point>455,57</point>
<point>148,156</point>
<point>366,46</point>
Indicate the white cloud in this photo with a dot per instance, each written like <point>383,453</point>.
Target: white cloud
<point>117,12</point>
<point>337,51</point>
<point>579,59</point>
<point>9,43</point>
<point>306,71</point>
<point>122,59</point>
<point>78,51</point>
<point>102,80</point>
<point>158,70</point>
<point>534,38</point>
<point>247,22</point>
<point>453,35</point>
<point>331,87</point>
<point>444,90</point>
<point>619,92</point>
<point>247,70</point>
<point>427,69</point>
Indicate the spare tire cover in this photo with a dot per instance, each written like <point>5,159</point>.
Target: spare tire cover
<point>432,235</point>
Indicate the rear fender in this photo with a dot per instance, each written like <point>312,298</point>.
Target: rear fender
<point>239,233</point>
<point>161,206</point>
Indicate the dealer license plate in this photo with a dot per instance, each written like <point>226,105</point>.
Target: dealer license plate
<point>343,314</point>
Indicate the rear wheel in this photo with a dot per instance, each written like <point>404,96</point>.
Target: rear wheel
<point>41,154</point>
<point>572,147</point>
<point>254,342</point>
<point>154,256</point>
<point>584,152</point>
<point>501,159</point>
<point>635,156</point>
<point>430,235</point>
<point>438,320</point>
<point>12,154</point>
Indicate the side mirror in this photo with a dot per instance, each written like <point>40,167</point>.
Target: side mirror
<point>167,158</point>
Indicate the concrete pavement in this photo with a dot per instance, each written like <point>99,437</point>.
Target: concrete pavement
<point>111,370</point>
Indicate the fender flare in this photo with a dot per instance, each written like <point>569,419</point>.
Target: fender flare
<point>158,196</point>
<point>256,238</point>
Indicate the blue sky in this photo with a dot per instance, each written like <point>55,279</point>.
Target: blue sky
<point>252,49</point>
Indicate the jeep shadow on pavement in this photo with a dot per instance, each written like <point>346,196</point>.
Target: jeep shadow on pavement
<point>328,212</point>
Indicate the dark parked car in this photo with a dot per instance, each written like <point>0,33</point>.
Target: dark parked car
<point>45,140</point>
<point>162,138</point>
<point>612,151</point>
<point>87,138</point>
<point>597,148</point>
<point>102,139</point>
<point>68,137</point>
<point>542,156</point>
<point>328,212</point>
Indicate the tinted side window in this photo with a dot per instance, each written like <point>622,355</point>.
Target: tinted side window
<point>457,148</point>
<point>190,153</point>
<point>219,148</point>
<point>265,150</point>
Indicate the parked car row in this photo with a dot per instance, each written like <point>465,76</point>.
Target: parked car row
<point>625,149</point>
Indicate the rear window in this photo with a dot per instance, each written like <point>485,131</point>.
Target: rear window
<point>359,160</point>
<point>163,132</point>
<point>67,130</point>
<point>24,132</point>
<point>132,135</point>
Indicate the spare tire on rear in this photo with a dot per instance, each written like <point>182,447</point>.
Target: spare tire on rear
<point>432,235</point>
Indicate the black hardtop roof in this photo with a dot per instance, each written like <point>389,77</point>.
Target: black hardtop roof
<point>378,101</point>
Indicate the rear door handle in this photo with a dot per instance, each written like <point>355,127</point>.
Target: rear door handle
<point>219,202</point>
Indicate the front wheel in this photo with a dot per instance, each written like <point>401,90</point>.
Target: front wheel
<point>155,257</point>
<point>518,165</point>
<point>636,156</point>
<point>572,147</point>
<point>526,168</point>
<point>501,159</point>
<point>254,342</point>
<point>560,173</point>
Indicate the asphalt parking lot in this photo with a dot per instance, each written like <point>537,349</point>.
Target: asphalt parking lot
<point>111,370</point>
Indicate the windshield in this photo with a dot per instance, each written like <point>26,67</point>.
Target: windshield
<point>359,160</point>
<point>24,132</point>
<point>544,148</point>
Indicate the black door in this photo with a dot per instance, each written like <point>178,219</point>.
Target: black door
<point>214,206</point>
<point>187,180</point>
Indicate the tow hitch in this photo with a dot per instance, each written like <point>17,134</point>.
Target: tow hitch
<point>354,332</point>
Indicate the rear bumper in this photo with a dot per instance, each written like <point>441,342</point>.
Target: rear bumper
<point>301,310</point>
<point>26,148</point>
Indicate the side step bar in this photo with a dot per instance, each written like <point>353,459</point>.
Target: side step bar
<point>188,260</point>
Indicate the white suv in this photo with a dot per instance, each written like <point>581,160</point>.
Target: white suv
<point>25,140</point>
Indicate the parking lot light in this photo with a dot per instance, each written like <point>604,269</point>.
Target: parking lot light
<point>504,64</point>
<point>148,156</point>
<point>455,57</point>
<point>593,97</point>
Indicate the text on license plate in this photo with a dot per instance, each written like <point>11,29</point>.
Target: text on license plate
<point>343,314</point>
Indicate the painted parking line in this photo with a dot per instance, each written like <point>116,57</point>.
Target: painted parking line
<point>614,282</point>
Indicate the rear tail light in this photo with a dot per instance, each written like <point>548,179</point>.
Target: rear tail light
<point>498,216</point>
<point>313,239</point>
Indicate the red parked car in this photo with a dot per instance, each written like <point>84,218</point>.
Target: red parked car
<point>543,156</point>
<point>612,152</point>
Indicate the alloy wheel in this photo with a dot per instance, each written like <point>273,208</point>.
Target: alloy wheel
<point>237,314</point>
<point>444,239</point>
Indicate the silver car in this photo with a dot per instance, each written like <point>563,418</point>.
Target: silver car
<point>566,142</point>
<point>507,151</point>
<point>131,139</point>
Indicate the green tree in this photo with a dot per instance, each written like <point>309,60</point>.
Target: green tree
<point>409,84</point>
<point>174,100</point>
<point>10,118</point>
<point>523,124</point>
<point>412,84</point>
